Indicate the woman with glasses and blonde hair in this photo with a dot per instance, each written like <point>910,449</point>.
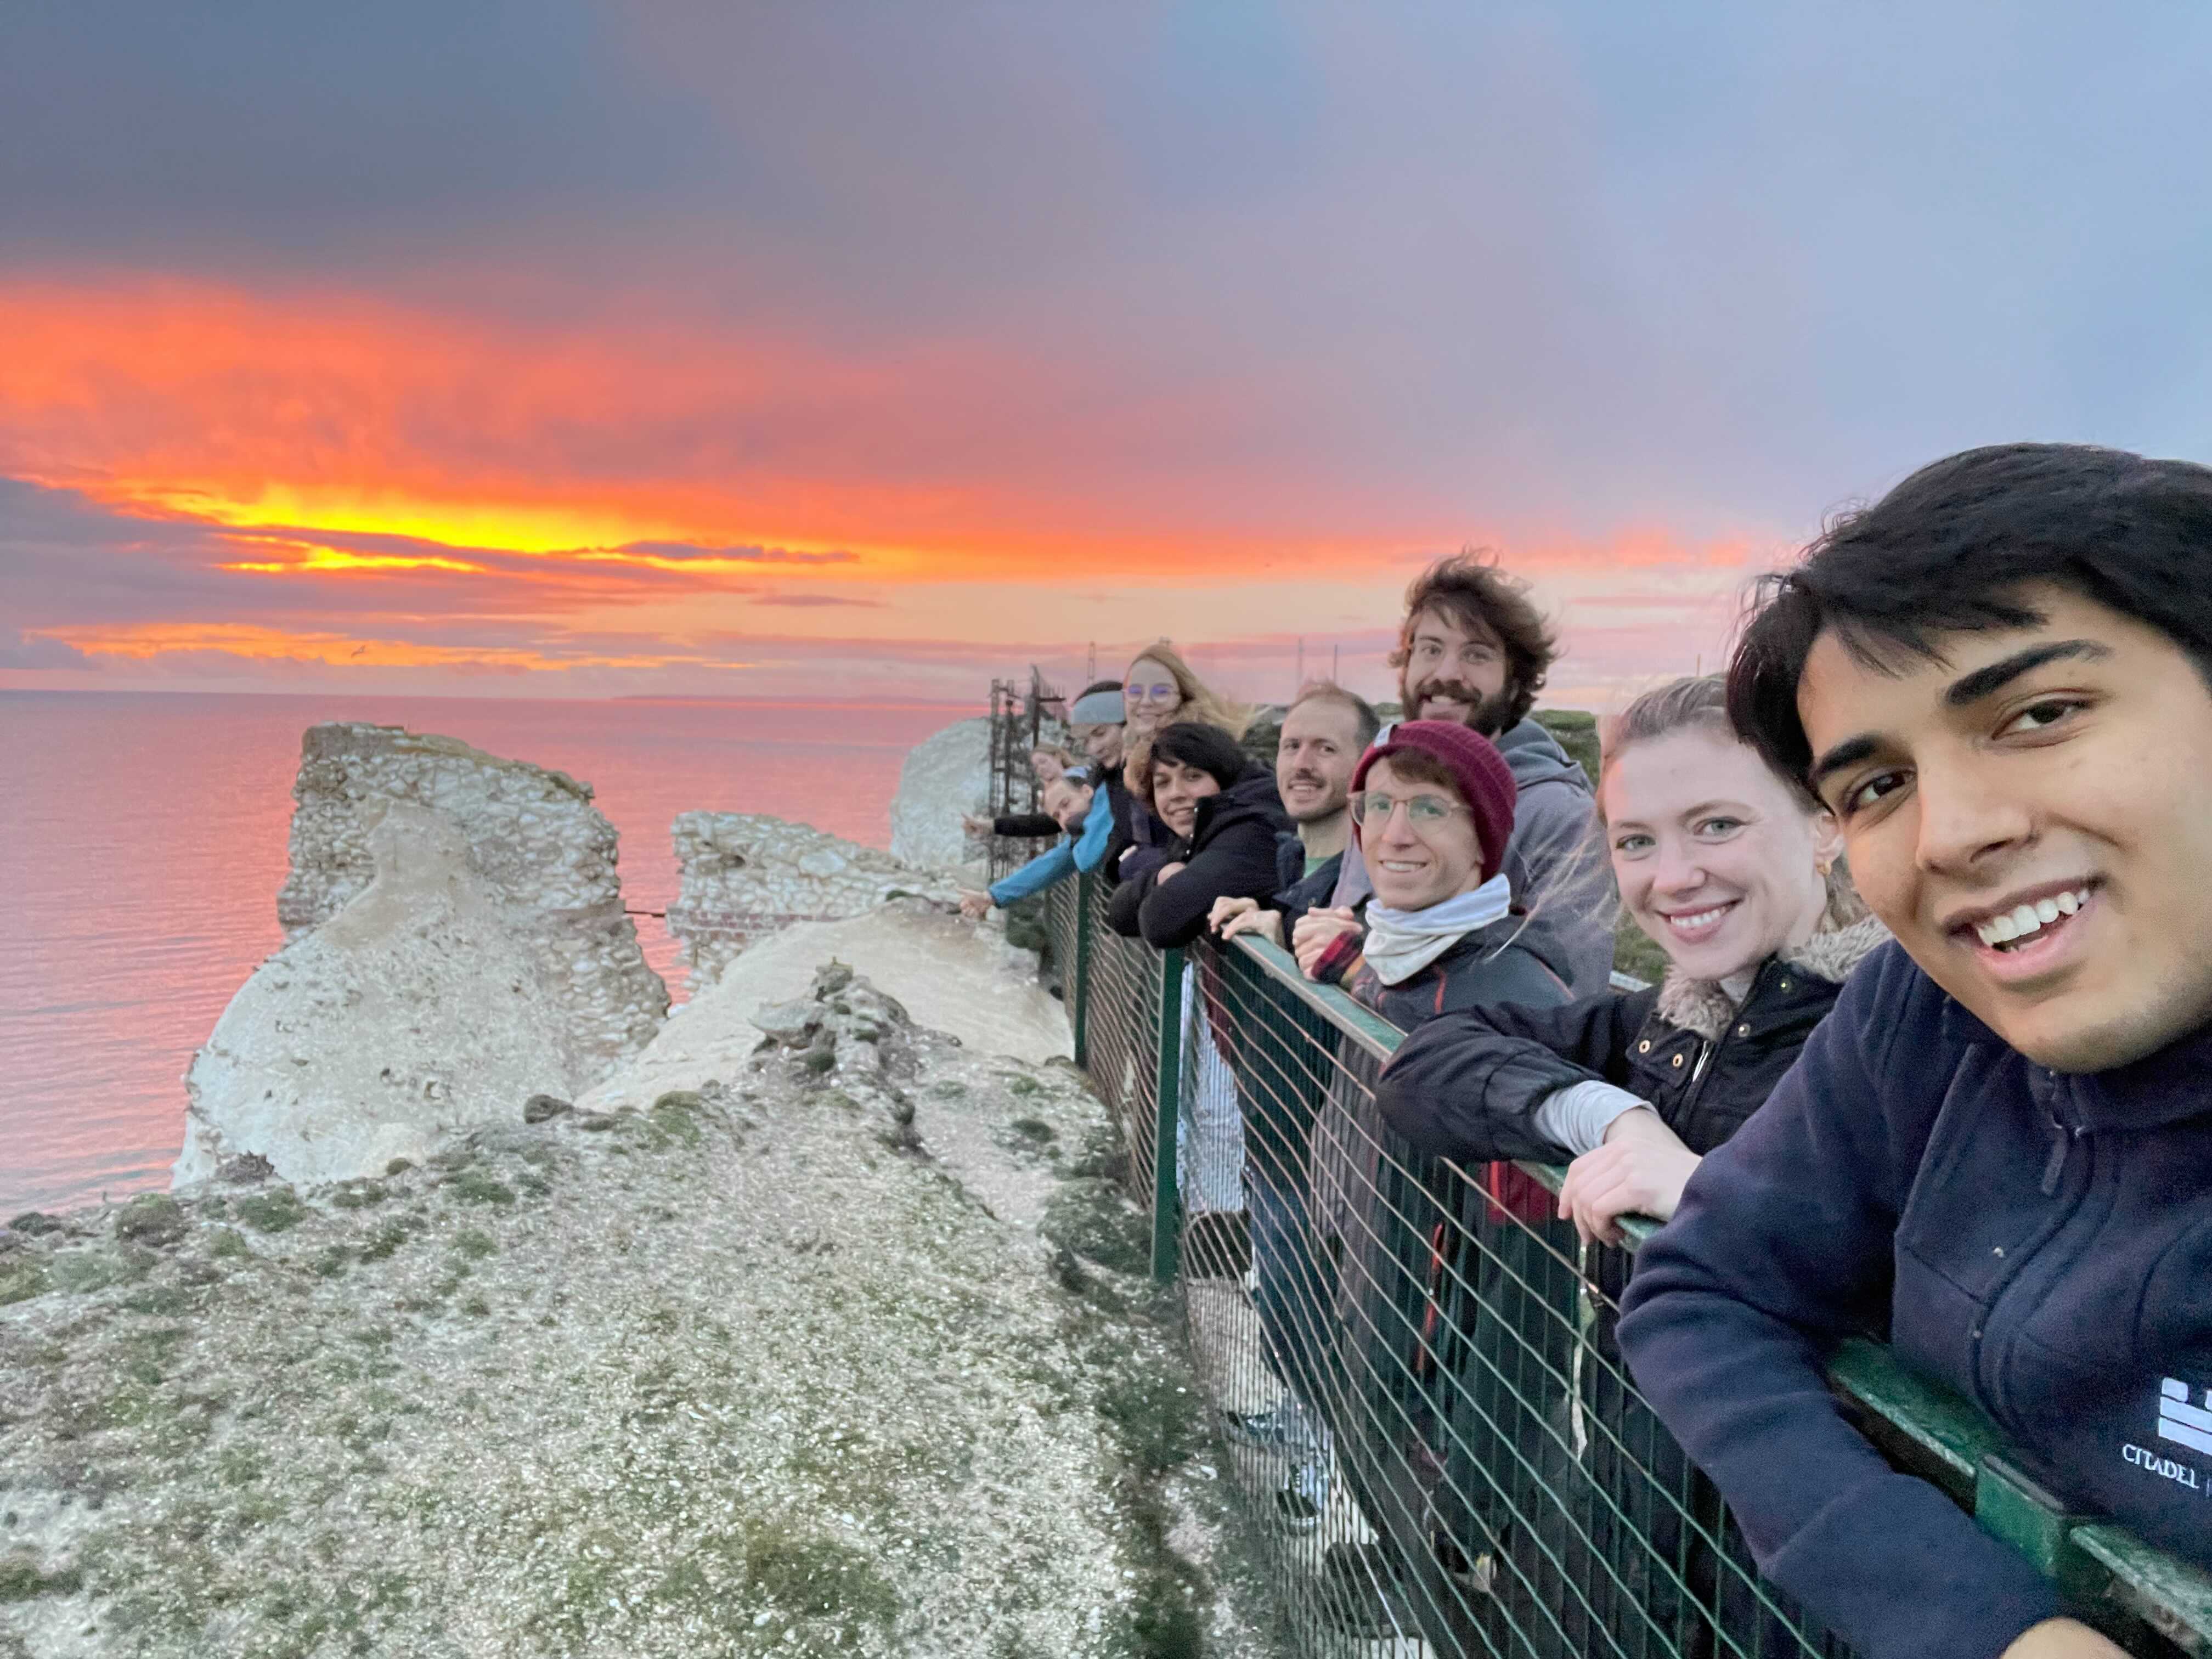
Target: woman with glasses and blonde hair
<point>1158,691</point>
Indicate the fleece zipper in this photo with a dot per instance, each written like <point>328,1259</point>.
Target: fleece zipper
<point>2064,1137</point>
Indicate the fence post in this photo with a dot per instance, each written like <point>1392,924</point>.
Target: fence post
<point>1078,989</point>
<point>1167,1111</point>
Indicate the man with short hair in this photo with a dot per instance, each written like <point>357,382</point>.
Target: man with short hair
<point>1323,735</point>
<point>1999,678</point>
<point>1474,649</point>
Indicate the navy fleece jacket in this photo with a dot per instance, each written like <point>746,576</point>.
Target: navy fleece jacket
<point>2041,1244</point>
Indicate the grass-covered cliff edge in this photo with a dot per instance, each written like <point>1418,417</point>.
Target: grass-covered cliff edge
<point>786,1363</point>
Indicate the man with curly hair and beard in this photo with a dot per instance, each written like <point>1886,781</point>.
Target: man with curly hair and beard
<point>1474,650</point>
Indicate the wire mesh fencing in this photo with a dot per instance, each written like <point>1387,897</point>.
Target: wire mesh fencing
<point>1412,1367</point>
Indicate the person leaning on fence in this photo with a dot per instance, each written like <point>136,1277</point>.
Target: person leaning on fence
<point>1731,867</point>
<point>1221,808</point>
<point>1160,691</point>
<point>1323,734</point>
<point>1101,809</point>
<point>1999,677</point>
<point>1432,809</point>
<point>1049,763</point>
<point>1085,816</point>
<point>1473,651</point>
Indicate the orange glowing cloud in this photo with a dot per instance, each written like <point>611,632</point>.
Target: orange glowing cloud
<point>146,642</point>
<point>949,460</point>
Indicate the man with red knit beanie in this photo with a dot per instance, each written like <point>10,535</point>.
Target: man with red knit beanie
<point>1432,810</point>
<point>1433,814</point>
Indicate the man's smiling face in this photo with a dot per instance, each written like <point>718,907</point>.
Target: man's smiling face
<point>2030,811</point>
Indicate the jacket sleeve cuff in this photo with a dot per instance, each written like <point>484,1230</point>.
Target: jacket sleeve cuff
<point>1900,1571</point>
<point>1340,959</point>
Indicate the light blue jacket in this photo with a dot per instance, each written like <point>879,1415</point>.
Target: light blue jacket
<point>1064,859</point>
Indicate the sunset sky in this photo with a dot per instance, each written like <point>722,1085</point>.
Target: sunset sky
<point>863,350</point>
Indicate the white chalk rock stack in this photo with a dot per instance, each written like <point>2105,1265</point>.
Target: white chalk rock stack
<point>413,1013</point>
<point>946,775</point>
<point>746,875</point>
<point>545,854</point>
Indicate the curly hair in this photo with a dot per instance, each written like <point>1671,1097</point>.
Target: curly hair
<point>1468,588</point>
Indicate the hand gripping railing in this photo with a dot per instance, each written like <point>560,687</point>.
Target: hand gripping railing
<point>1414,1363</point>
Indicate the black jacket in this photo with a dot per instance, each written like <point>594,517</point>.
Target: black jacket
<point>1297,893</point>
<point>1025,826</point>
<point>1229,854</point>
<point>1468,1087</point>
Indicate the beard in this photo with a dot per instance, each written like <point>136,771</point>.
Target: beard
<point>1488,715</point>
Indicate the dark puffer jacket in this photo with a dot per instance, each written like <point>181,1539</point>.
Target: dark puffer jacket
<point>1466,1087</point>
<point>1229,854</point>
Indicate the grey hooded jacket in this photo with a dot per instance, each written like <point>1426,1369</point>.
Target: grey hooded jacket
<point>1556,860</point>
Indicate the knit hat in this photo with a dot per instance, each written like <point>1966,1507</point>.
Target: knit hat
<point>1479,772</point>
<point>1101,706</point>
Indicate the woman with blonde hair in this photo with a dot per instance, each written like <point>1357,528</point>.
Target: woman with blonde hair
<point>1158,691</point>
<point>1732,868</point>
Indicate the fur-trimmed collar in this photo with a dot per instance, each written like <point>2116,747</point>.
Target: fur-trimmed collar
<point>1702,1006</point>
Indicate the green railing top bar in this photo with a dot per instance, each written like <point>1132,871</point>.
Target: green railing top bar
<point>1924,1426</point>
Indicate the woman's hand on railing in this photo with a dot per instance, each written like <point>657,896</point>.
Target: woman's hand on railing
<point>2062,1639</point>
<point>1639,1171</point>
<point>1232,916</point>
<point>1316,929</point>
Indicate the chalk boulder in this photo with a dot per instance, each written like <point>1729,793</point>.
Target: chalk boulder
<point>746,875</point>
<point>945,775</point>
<point>543,855</point>
<point>413,1013</point>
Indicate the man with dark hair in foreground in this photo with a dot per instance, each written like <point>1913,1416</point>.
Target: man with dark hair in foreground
<point>1474,649</point>
<point>1996,1146</point>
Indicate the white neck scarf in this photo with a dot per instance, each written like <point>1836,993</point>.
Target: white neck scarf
<point>1400,943</point>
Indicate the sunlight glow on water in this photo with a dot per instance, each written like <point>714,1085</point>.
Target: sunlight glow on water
<point>143,842</point>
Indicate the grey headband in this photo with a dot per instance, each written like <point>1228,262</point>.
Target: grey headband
<point>1099,708</point>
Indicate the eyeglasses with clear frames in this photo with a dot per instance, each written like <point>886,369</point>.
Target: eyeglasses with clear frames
<point>1166,691</point>
<point>1373,809</point>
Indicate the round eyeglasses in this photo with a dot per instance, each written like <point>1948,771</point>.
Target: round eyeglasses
<point>1373,809</point>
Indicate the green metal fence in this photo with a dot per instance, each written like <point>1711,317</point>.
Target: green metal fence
<point>1413,1365</point>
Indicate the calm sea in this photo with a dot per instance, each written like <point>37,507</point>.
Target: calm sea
<point>143,842</point>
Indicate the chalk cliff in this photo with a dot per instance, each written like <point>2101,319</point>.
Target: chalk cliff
<point>411,1015</point>
<point>545,854</point>
<point>946,774</point>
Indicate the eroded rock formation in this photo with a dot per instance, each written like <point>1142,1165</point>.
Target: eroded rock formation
<point>746,875</point>
<point>946,774</point>
<point>544,853</point>
<point>413,1013</point>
